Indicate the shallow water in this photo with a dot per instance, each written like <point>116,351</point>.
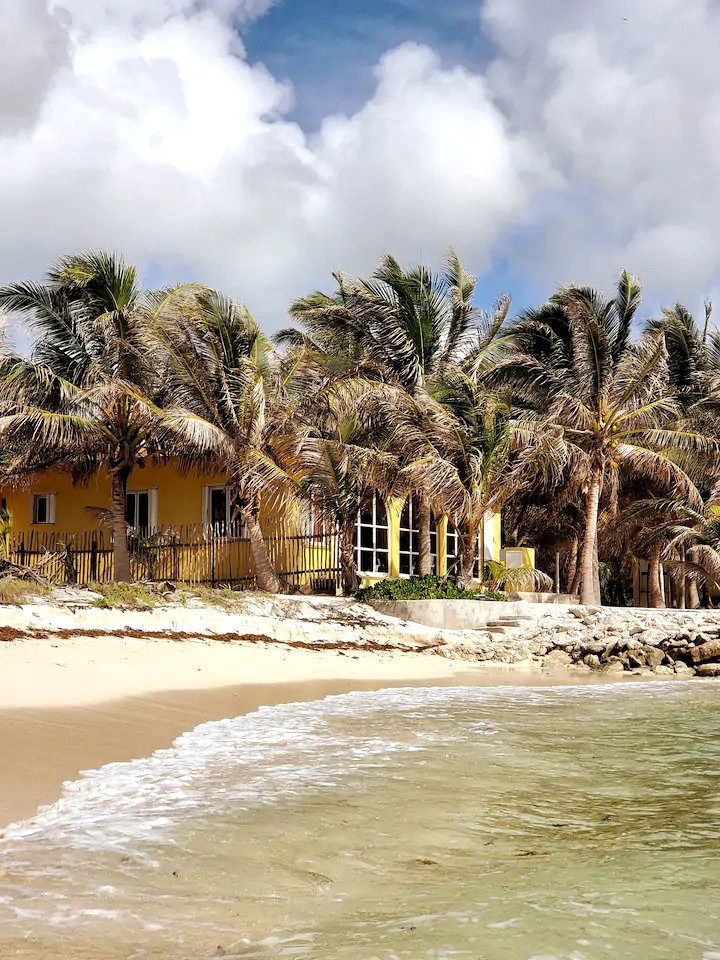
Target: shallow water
<point>527,824</point>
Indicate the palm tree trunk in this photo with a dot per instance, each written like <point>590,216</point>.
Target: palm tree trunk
<point>588,563</point>
<point>693,592</point>
<point>267,580</point>
<point>425,566</point>
<point>468,553</point>
<point>121,554</point>
<point>348,563</point>
<point>655,586</point>
<point>572,567</point>
<point>682,584</point>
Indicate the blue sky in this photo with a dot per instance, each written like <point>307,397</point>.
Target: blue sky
<point>329,48</point>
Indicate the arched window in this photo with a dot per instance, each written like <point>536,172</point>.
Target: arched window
<point>371,537</point>
<point>410,538</point>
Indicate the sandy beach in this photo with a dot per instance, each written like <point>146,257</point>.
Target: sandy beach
<point>68,705</point>
<point>72,704</point>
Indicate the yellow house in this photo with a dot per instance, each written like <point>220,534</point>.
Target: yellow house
<point>181,521</point>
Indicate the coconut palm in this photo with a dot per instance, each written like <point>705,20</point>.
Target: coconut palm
<point>474,455</point>
<point>84,399</point>
<point>231,406</point>
<point>345,458</point>
<point>575,365</point>
<point>406,326</point>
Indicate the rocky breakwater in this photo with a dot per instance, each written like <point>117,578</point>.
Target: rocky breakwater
<point>618,640</point>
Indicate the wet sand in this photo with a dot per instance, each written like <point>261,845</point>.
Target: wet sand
<point>77,704</point>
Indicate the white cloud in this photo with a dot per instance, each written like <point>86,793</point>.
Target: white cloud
<point>588,144</point>
<point>35,48</point>
<point>160,139</point>
<point>623,100</point>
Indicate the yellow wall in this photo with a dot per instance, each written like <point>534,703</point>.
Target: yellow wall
<point>180,503</point>
<point>179,498</point>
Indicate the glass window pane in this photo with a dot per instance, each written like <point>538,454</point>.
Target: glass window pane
<point>382,563</point>
<point>143,511</point>
<point>366,537</point>
<point>404,563</point>
<point>218,506</point>
<point>366,561</point>
<point>40,504</point>
<point>381,539</point>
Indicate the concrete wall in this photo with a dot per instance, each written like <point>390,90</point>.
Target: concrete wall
<point>460,614</point>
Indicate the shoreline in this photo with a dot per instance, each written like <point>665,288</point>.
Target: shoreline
<point>43,746</point>
<point>83,687</point>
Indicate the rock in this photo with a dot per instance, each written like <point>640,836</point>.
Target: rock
<point>662,670</point>
<point>706,651</point>
<point>592,661</point>
<point>557,658</point>
<point>708,670</point>
<point>654,657</point>
<point>615,666</point>
<point>683,669</point>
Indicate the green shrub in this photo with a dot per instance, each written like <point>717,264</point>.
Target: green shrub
<point>424,588</point>
<point>134,596</point>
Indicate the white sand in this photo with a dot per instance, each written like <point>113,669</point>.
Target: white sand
<point>82,671</point>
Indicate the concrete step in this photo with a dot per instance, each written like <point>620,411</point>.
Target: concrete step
<point>509,622</point>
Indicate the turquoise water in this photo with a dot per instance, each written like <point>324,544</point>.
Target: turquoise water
<point>504,824</point>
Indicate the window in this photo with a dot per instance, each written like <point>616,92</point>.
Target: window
<point>43,508</point>
<point>452,547</point>
<point>371,537</point>
<point>410,538</point>
<point>141,510</point>
<point>219,510</point>
<point>312,522</point>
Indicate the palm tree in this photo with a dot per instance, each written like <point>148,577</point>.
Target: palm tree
<point>84,400</point>
<point>231,405</point>
<point>405,326</point>
<point>345,458</point>
<point>474,455</point>
<point>574,364</point>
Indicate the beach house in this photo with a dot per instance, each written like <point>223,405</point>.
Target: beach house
<point>181,527</point>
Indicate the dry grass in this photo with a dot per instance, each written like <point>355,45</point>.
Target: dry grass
<point>14,591</point>
<point>214,596</point>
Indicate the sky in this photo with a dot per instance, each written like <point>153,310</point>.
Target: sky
<point>258,145</point>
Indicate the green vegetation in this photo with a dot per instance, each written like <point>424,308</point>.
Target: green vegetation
<point>15,591</point>
<point>424,588</point>
<point>595,435</point>
<point>132,596</point>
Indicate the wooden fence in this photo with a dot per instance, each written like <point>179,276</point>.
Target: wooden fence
<point>189,554</point>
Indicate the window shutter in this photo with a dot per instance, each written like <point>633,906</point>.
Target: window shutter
<point>152,509</point>
<point>51,508</point>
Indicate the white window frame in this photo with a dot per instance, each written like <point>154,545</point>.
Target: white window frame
<point>413,556</point>
<point>207,493</point>
<point>452,557</point>
<point>376,527</point>
<point>49,509</point>
<point>152,507</point>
